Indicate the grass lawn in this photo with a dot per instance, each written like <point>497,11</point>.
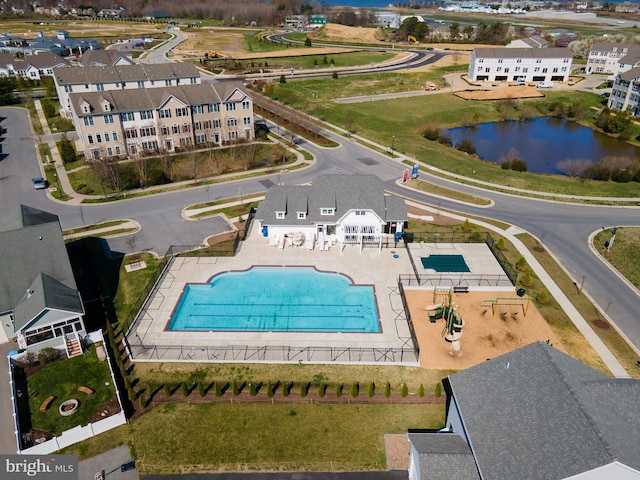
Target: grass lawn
<point>624,252</point>
<point>62,380</point>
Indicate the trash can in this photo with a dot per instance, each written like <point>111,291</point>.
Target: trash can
<point>520,292</point>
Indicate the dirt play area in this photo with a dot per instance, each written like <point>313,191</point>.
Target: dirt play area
<point>500,93</point>
<point>485,335</point>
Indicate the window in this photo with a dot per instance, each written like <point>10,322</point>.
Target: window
<point>246,105</point>
<point>207,124</point>
<point>117,150</point>
<point>186,128</point>
<point>197,126</point>
<point>140,84</point>
<point>538,61</point>
<point>500,60</point>
<point>216,123</point>
<point>232,122</point>
<point>230,107</point>
<point>146,115</point>
<point>197,109</point>
<point>86,108</point>
<point>98,138</point>
<point>185,141</point>
<point>165,130</point>
<point>131,133</point>
<point>108,119</point>
<point>519,60</point>
<point>126,117</point>
<point>360,212</point>
<point>114,134</point>
<point>106,107</point>
<point>88,121</point>
<point>165,113</point>
<point>124,85</point>
<point>214,107</point>
<point>106,137</point>
<point>525,70</point>
<point>90,139</point>
<point>233,135</point>
<point>110,151</point>
<point>327,211</point>
<point>100,87</point>
<point>147,131</point>
<point>175,128</point>
<point>150,145</point>
<point>201,138</point>
<point>246,121</point>
<point>481,60</point>
<point>167,83</point>
<point>280,215</point>
<point>68,88</point>
<point>193,81</point>
<point>181,112</point>
<point>302,215</point>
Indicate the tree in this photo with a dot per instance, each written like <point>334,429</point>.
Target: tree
<point>67,150</point>
<point>454,31</point>
<point>573,167</point>
<point>283,79</point>
<point>307,42</point>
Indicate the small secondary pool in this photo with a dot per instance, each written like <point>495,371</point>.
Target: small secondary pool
<point>445,263</point>
<point>277,299</point>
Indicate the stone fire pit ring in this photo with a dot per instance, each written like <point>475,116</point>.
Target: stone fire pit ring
<point>68,407</point>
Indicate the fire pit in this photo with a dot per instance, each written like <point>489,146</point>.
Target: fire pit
<point>68,407</point>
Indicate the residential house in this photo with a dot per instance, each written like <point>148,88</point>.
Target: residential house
<point>33,67</point>
<point>61,44</point>
<point>533,413</point>
<point>610,58</point>
<point>534,41</point>
<point>120,77</point>
<point>104,58</point>
<point>40,305</point>
<point>111,12</point>
<point>625,94</point>
<point>510,64</point>
<point>335,209</point>
<point>134,121</point>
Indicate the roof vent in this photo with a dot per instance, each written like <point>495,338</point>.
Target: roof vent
<point>506,365</point>
<point>30,292</point>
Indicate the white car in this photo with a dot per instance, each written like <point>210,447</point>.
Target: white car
<point>545,85</point>
<point>39,183</point>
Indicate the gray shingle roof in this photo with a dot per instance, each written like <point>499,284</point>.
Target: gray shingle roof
<point>522,53</point>
<point>125,73</point>
<point>341,192</point>
<point>102,57</point>
<point>538,413</point>
<point>630,75</point>
<point>45,293</point>
<point>133,100</point>
<point>29,246</point>
<point>444,456</point>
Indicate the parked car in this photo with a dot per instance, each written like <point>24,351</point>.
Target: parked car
<point>521,81</point>
<point>605,95</point>
<point>545,85</point>
<point>39,183</point>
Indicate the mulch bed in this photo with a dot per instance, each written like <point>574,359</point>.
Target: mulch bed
<point>108,408</point>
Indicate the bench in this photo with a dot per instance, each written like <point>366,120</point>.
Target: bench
<point>461,289</point>
<point>87,390</point>
<point>47,403</point>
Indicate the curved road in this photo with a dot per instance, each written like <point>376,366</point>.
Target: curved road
<point>563,228</point>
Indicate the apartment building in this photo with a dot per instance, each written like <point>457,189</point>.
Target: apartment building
<point>33,66</point>
<point>510,64</point>
<point>625,94</point>
<point>120,77</point>
<point>134,121</point>
<point>612,58</point>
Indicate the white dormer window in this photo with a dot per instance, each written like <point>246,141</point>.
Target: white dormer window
<point>360,212</point>
<point>327,211</point>
<point>106,107</point>
<point>86,108</point>
<point>280,215</point>
<point>302,215</point>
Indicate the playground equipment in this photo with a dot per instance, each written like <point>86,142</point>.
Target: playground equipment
<point>453,321</point>
<point>211,54</point>
<point>412,39</point>
<point>504,304</point>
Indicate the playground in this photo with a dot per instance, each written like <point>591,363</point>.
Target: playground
<point>494,323</point>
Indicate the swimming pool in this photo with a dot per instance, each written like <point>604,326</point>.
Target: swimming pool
<point>282,299</point>
<point>445,263</point>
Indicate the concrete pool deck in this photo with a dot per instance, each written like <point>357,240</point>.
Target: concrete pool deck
<point>149,341</point>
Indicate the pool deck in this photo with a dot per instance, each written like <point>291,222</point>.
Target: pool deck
<point>151,342</point>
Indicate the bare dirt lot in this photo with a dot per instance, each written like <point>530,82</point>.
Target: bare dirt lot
<point>486,333</point>
<point>500,93</point>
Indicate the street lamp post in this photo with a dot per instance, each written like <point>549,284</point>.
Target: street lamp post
<point>393,143</point>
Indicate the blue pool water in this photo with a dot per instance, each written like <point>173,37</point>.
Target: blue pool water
<point>277,299</point>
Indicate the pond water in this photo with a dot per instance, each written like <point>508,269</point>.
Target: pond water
<point>542,142</point>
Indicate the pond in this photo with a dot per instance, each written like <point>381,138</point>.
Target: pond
<point>542,142</point>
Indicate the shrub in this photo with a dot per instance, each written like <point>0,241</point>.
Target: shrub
<point>527,279</point>
<point>67,150</point>
<point>431,133</point>
<point>201,391</point>
<point>500,244</point>
<point>371,390</point>
<point>335,75</point>
<point>438,391</point>
<point>47,355</point>
<point>355,389</point>
<point>235,388</point>
<point>217,388</point>
<point>286,388</point>
<point>519,165</point>
<point>48,108</point>
<point>339,389</point>
<point>444,139</point>
<point>167,389</point>
<point>29,358</point>
<point>467,146</point>
<point>387,390</point>
<point>543,297</point>
<point>421,391</point>
<point>185,389</point>
<point>521,264</point>
<point>143,402</point>
<point>283,79</point>
<point>304,389</point>
<point>270,389</point>
<point>466,226</point>
<point>404,391</point>
<point>307,42</point>
<point>322,390</point>
<point>253,389</point>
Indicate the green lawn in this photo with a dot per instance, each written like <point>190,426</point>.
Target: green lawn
<point>624,252</point>
<point>62,380</point>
